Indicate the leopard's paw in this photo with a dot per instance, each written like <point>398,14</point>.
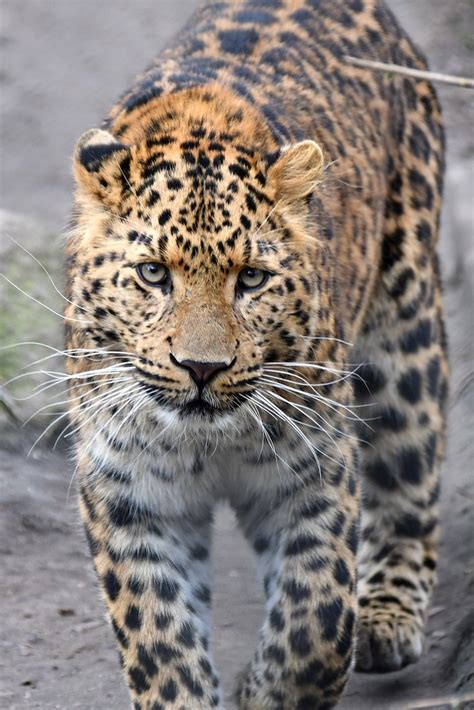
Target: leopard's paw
<point>387,641</point>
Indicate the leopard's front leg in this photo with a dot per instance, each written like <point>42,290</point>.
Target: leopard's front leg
<point>307,548</point>
<point>153,572</point>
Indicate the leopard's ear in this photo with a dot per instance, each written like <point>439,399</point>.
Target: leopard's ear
<point>296,172</point>
<point>101,164</point>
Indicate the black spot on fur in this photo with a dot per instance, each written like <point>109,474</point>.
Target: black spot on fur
<point>391,419</point>
<point>121,637</point>
<point>409,386</point>
<point>166,589</point>
<point>300,642</point>
<point>344,643</point>
<point>191,683</point>
<point>136,586</point>
<point>329,615</point>
<point>164,217</point>
<point>163,620</point>
<point>301,544</point>
<point>133,617</point>
<point>187,635</point>
<point>432,374</point>
<point>409,526</point>
<point>92,157</point>
<point>409,461</point>
<point>368,380</point>
<point>146,661</point>
<point>297,591</point>
<point>169,690</point>
<point>238,41</point>
<point>275,653</point>
<point>378,472</point>
<point>352,538</point>
<point>165,652</point>
<point>138,680</point>
<point>341,572</point>
<point>122,513</point>
<point>261,544</point>
<point>277,621</point>
<point>419,337</point>
<point>112,585</point>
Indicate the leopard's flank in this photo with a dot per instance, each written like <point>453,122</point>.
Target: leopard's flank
<point>255,316</point>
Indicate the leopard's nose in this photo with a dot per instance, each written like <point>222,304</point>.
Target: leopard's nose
<point>201,372</point>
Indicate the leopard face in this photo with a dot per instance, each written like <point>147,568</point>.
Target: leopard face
<point>192,255</point>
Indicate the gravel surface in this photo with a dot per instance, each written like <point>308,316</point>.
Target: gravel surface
<point>63,64</point>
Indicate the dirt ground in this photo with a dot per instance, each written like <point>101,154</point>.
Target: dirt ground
<point>63,63</point>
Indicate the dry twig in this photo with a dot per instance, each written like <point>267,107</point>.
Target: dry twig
<point>454,702</point>
<point>415,73</point>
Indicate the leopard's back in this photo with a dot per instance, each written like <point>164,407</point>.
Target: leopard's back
<point>287,59</point>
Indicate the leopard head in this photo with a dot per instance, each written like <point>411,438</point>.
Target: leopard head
<point>193,254</point>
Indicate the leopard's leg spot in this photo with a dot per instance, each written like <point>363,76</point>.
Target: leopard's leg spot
<point>403,351</point>
<point>308,565</point>
<point>154,574</point>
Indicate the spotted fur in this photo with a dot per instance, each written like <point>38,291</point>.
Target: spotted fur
<point>251,143</point>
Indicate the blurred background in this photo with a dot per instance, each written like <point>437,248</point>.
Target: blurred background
<point>63,64</point>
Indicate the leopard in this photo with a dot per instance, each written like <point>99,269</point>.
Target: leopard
<point>255,318</point>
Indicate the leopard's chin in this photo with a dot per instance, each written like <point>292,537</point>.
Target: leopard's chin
<point>210,408</point>
<point>205,407</point>
<point>200,409</point>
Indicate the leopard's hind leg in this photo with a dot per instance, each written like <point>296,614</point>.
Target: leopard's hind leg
<point>403,376</point>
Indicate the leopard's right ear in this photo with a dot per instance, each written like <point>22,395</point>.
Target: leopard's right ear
<point>101,164</point>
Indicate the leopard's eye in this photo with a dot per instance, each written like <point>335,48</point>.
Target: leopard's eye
<point>250,279</point>
<point>153,273</point>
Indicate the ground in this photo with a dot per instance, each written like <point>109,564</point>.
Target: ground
<point>63,64</point>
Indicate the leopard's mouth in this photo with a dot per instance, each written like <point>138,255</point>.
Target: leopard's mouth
<point>200,408</point>
<point>205,405</point>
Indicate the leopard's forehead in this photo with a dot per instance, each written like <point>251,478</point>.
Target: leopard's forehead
<point>200,201</point>
<point>197,186</point>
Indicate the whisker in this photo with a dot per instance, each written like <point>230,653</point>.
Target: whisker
<point>258,419</point>
<point>309,366</point>
<point>282,415</point>
<point>311,385</point>
<point>44,387</point>
<point>65,377</point>
<point>32,298</point>
<point>259,229</point>
<point>159,435</point>
<point>23,248</point>
<point>325,337</point>
<point>72,353</point>
<point>92,355</point>
<point>286,388</point>
<point>318,415</point>
<point>87,448</point>
<point>58,419</point>
<point>319,398</point>
<point>129,415</point>
<point>304,410</point>
<point>265,435</point>
<point>73,399</point>
<point>105,401</point>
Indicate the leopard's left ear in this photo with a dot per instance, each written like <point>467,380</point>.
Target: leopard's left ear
<point>297,171</point>
<point>101,164</point>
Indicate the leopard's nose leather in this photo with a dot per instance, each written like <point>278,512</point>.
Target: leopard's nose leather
<point>201,372</point>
